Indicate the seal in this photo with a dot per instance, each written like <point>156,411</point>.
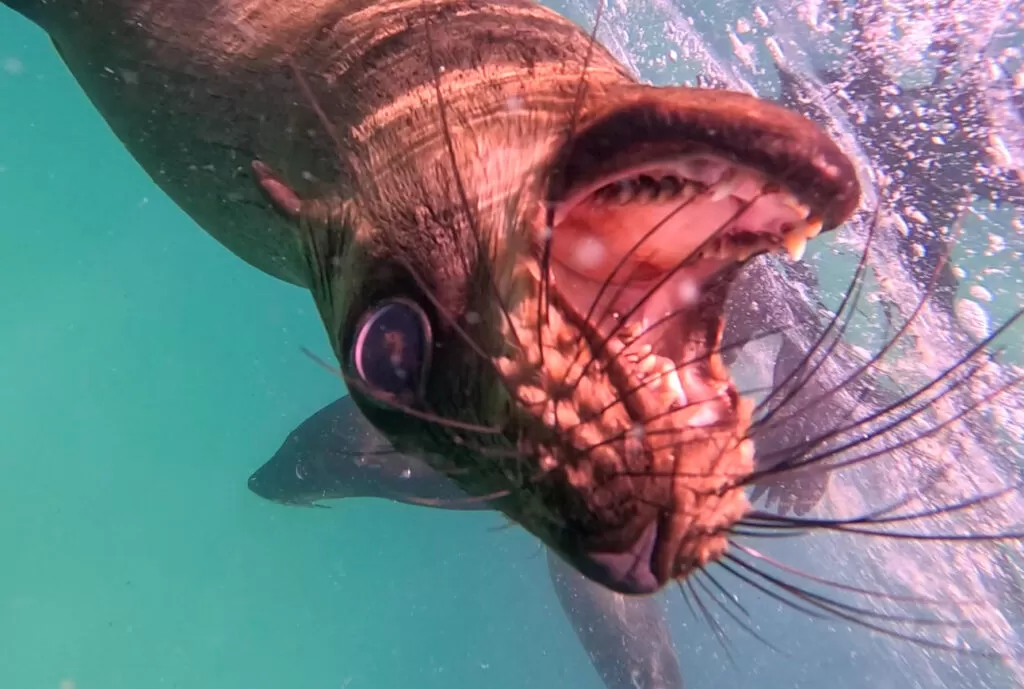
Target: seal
<point>336,454</point>
<point>520,254</point>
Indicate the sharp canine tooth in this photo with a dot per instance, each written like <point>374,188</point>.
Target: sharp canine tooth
<point>800,209</point>
<point>813,229</point>
<point>795,245</point>
<point>716,367</point>
<point>747,450</point>
<point>726,186</point>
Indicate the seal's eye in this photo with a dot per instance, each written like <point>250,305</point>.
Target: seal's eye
<point>391,354</point>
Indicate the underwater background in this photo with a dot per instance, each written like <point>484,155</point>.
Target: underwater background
<point>145,372</point>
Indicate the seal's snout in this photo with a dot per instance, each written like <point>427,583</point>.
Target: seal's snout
<point>653,206</point>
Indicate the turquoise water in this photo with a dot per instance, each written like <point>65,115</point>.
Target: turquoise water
<point>144,373</point>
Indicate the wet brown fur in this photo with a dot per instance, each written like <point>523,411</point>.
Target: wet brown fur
<point>340,99</point>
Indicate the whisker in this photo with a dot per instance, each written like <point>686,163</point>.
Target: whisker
<point>455,502</point>
<point>844,612</point>
<point>875,518</point>
<point>442,110</point>
<point>831,605</point>
<point>966,361</point>
<point>621,263</point>
<point>713,624</point>
<point>807,446</point>
<point>654,377</point>
<point>602,344</point>
<point>333,370</point>
<point>314,103</point>
<point>854,288</point>
<point>934,430</point>
<point>382,399</point>
<point>744,624</point>
<point>453,323</point>
<point>878,356</point>
<point>387,401</point>
<point>544,300</point>
<point>847,587</point>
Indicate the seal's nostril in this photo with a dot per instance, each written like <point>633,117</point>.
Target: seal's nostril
<point>628,572</point>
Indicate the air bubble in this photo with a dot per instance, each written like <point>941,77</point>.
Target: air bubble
<point>13,66</point>
<point>995,244</point>
<point>980,293</point>
<point>973,318</point>
<point>589,252</point>
<point>689,291</point>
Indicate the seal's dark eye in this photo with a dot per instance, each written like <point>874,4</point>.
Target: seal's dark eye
<point>391,354</point>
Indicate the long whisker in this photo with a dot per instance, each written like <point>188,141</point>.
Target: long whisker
<point>387,401</point>
<point>847,587</point>
<point>910,442</point>
<point>967,359</point>
<point>798,453</point>
<point>839,610</point>
<point>713,624</point>
<point>621,263</point>
<point>544,301</point>
<point>762,423</point>
<point>442,110</point>
<point>607,282</point>
<point>654,377</point>
<point>875,518</point>
<point>743,624</point>
<point>837,321</point>
<point>602,344</point>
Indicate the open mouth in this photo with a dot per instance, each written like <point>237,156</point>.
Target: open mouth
<point>638,254</point>
<point>653,208</point>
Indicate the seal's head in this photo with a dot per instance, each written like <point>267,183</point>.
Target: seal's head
<point>536,307</point>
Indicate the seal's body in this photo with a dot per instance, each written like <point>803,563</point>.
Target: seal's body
<point>520,254</point>
<point>198,90</point>
<point>335,454</point>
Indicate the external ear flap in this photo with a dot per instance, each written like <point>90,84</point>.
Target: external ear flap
<point>281,196</point>
<point>324,231</point>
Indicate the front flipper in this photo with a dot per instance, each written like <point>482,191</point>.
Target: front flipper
<point>625,636</point>
<point>337,453</point>
<point>281,196</point>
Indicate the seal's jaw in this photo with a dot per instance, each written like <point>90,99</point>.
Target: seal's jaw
<point>634,422</point>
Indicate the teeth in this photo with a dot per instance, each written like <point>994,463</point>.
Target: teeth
<point>796,244</point>
<point>800,209</point>
<point>716,367</point>
<point>725,186</point>
<point>747,451</point>
<point>648,364</point>
<point>677,386</point>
